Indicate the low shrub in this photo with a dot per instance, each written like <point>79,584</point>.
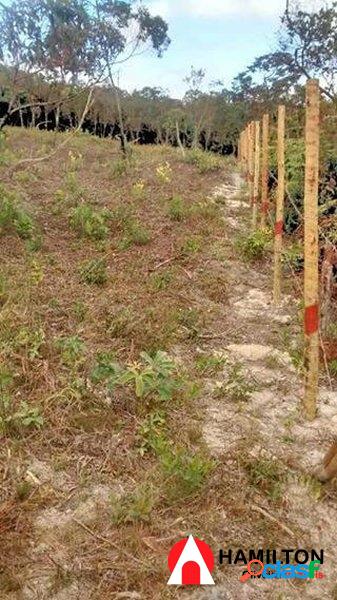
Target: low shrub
<point>94,272</point>
<point>254,246</point>
<point>204,161</point>
<point>14,217</point>
<point>89,223</point>
<point>177,209</point>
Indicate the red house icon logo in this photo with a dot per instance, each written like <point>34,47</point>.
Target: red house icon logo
<point>191,562</point>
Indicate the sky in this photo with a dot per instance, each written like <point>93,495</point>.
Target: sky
<point>220,36</point>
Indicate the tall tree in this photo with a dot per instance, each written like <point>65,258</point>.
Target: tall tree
<point>306,48</point>
<point>75,40</point>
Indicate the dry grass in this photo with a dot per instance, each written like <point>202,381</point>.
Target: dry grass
<point>56,324</point>
<point>110,470</point>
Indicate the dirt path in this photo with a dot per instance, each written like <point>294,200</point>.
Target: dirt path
<point>268,425</point>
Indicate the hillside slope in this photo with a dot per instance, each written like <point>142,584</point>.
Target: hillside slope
<point>148,387</point>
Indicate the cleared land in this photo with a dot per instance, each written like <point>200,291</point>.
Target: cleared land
<point>134,408</point>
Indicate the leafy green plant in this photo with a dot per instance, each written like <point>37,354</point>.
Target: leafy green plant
<point>31,340</point>
<point>185,472</point>
<point>89,223</point>
<point>208,365</point>
<point>134,507</point>
<point>160,281</point>
<point>151,432</point>
<point>266,474</point>
<point>23,223</point>
<point>254,246</point>
<point>204,161</point>
<point>94,271</point>
<point>72,350</point>
<point>157,375</point>
<point>236,387</point>
<point>177,209</point>
<point>13,216</point>
<point>191,245</point>
<point>24,416</point>
<point>105,368</point>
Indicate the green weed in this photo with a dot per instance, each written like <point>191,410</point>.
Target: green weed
<point>191,245</point>
<point>160,281</point>
<point>72,350</point>
<point>204,161</point>
<point>152,377</point>
<point>106,368</point>
<point>14,217</point>
<point>254,246</point>
<point>209,365</point>
<point>12,419</point>
<point>134,507</point>
<point>89,223</point>
<point>236,387</point>
<point>31,340</point>
<point>177,210</point>
<point>267,475</point>
<point>185,472</point>
<point>151,432</point>
<point>94,271</point>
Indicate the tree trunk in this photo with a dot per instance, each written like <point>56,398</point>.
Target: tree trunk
<point>179,140</point>
<point>57,118</point>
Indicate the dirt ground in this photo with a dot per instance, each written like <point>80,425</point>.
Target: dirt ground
<point>100,472</point>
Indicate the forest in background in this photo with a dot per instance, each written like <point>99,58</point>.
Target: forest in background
<point>59,66</point>
<point>52,52</point>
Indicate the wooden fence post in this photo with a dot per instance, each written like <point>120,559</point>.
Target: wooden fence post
<point>264,170</point>
<point>246,141</point>
<point>311,298</point>
<point>279,205</point>
<point>256,172</point>
<point>244,151</point>
<point>251,160</point>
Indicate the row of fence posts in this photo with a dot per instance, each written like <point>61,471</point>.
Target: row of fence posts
<point>254,162</point>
